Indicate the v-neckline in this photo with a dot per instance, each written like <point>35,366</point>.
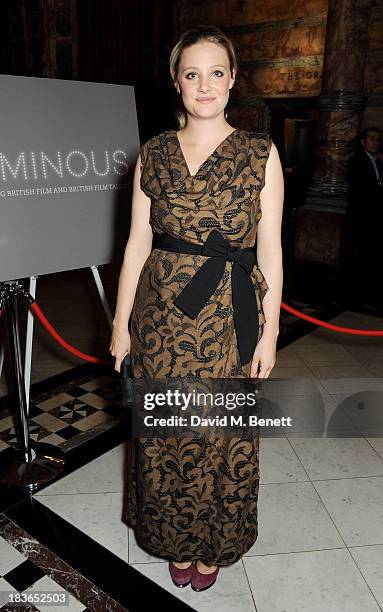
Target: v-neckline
<point>193,176</point>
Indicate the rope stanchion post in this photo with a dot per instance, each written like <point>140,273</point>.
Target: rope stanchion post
<point>28,465</point>
<point>15,355</point>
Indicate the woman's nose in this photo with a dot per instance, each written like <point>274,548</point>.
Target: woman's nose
<point>203,85</point>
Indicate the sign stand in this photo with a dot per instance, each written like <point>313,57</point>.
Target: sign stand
<point>32,463</point>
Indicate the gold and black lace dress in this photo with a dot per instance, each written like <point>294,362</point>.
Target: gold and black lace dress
<point>189,498</point>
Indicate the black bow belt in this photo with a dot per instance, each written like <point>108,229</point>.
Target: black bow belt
<point>202,285</point>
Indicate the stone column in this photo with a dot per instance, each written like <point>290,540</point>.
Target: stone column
<point>341,102</point>
<point>320,235</point>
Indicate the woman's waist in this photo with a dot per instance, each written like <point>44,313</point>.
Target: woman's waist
<point>216,243</point>
<point>170,265</point>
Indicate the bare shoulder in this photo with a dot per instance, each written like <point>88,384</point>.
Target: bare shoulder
<point>274,179</point>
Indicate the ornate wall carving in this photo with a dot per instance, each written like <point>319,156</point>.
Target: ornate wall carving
<point>279,44</point>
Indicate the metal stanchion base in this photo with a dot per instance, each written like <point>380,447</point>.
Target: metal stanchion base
<point>47,463</point>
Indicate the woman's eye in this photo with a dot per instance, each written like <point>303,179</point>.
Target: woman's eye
<point>215,71</point>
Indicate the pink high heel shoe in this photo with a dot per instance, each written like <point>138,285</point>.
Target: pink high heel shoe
<point>181,577</point>
<point>201,582</point>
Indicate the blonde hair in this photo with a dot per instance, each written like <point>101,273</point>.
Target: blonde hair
<point>189,38</point>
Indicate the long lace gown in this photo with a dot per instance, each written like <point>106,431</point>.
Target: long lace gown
<point>189,498</point>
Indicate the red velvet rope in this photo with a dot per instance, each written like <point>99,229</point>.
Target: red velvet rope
<point>71,349</point>
<point>38,312</point>
<point>338,328</point>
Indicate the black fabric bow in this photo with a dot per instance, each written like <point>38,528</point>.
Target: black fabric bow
<point>202,285</point>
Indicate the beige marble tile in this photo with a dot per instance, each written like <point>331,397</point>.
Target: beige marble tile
<point>3,445</point>
<point>105,474</point>
<point>364,407</point>
<point>96,383</point>
<point>318,337</point>
<point>7,422</point>
<point>10,557</point>
<point>6,587</point>
<point>287,357</point>
<point>95,400</point>
<point>342,456</point>
<point>98,515</point>
<point>93,420</point>
<point>290,372</point>
<point>352,386</point>
<point>376,367</point>
<point>279,463</point>
<point>317,411</point>
<point>356,507</point>
<point>375,438</point>
<point>290,382</point>
<point>367,353</point>
<point>341,371</point>
<point>292,518</point>
<point>230,593</point>
<point>315,581</point>
<point>369,559</point>
<point>325,355</point>
<point>53,439</point>
<point>55,401</point>
<point>47,584</point>
<point>50,422</point>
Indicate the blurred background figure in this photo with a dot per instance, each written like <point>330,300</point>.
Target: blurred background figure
<point>365,221</point>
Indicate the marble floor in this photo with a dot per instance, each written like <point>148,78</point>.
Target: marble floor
<point>21,577</point>
<point>320,542</point>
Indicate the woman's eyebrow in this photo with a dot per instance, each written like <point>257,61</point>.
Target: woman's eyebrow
<point>196,67</point>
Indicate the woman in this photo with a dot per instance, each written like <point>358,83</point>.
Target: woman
<point>191,501</point>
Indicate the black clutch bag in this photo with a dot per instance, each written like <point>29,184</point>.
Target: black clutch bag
<point>126,381</point>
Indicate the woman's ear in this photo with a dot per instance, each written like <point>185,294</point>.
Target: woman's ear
<point>175,82</point>
<point>233,78</point>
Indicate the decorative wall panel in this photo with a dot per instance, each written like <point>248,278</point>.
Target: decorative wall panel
<point>279,44</point>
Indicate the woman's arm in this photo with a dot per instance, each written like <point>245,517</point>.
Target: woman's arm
<point>137,251</point>
<point>269,257</point>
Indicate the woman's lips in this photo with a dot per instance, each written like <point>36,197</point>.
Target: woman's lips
<point>205,100</point>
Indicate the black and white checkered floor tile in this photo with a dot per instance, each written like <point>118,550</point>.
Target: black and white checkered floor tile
<point>18,575</point>
<point>68,414</point>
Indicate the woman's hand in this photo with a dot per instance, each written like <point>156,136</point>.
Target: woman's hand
<point>119,346</point>
<point>264,357</point>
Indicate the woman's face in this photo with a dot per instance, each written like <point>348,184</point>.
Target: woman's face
<point>204,79</point>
